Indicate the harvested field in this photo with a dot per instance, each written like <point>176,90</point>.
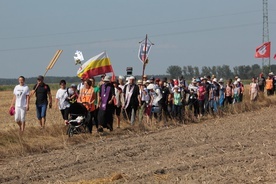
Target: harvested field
<point>236,148</point>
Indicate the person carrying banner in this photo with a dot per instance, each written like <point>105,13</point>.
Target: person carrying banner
<point>43,98</point>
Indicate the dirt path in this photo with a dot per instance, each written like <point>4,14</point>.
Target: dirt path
<point>235,149</point>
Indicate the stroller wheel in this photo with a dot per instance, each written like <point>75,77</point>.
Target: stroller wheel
<point>70,131</point>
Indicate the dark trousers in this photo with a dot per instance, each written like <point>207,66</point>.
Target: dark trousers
<point>201,107</point>
<point>89,121</point>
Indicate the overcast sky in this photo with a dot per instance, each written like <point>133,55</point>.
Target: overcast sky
<point>198,33</point>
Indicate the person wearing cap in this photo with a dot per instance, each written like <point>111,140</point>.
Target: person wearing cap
<point>72,94</point>
<point>102,79</point>
<point>253,90</point>
<point>106,105</point>
<point>132,99</point>
<point>193,102</point>
<point>177,100</point>
<point>87,98</point>
<point>269,84</point>
<point>121,82</point>
<point>261,82</point>
<point>20,102</point>
<point>43,99</point>
<point>62,102</point>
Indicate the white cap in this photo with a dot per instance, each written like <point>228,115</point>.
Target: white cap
<point>215,80</point>
<point>131,77</point>
<point>106,79</point>
<point>239,80</point>
<point>121,77</point>
<point>150,86</point>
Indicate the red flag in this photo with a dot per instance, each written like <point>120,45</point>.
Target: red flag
<point>263,51</point>
<point>274,56</point>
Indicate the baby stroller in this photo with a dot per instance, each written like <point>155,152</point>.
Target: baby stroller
<point>77,121</point>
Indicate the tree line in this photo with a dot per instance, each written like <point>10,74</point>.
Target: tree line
<point>224,71</point>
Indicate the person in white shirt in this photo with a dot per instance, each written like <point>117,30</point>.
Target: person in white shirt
<point>20,101</point>
<point>62,101</point>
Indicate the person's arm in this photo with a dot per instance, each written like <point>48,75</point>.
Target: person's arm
<point>27,102</point>
<point>13,101</point>
<point>113,96</point>
<point>50,98</point>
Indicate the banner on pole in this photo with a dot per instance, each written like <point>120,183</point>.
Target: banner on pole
<point>144,51</point>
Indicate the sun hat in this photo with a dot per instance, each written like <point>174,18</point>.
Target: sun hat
<point>238,80</point>
<point>150,86</point>
<point>121,77</point>
<point>106,79</point>
<point>12,111</point>
<point>139,81</point>
<point>131,77</point>
<point>215,80</point>
<point>221,80</point>
<point>147,81</point>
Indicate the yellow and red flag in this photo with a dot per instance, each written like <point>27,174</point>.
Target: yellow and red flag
<point>96,65</point>
<point>263,51</point>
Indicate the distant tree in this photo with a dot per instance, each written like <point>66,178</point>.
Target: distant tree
<point>174,71</point>
<point>205,71</point>
<point>227,73</point>
<point>191,72</point>
<point>256,70</point>
<point>214,70</point>
<point>196,71</point>
<point>185,71</point>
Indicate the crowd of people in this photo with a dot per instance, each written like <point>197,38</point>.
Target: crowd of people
<point>147,99</point>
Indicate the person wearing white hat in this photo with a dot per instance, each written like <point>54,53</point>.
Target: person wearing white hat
<point>106,105</point>
<point>121,82</point>
<point>132,99</point>
<point>221,92</point>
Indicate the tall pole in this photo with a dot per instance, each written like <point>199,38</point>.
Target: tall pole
<point>265,31</point>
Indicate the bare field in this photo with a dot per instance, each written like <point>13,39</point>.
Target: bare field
<point>234,148</point>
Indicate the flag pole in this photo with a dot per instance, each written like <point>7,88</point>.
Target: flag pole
<point>50,66</point>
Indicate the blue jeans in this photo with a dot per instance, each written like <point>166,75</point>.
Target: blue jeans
<point>41,111</point>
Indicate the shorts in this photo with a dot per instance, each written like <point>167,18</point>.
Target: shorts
<point>65,113</point>
<point>118,110</point>
<point>41,111</point>
<point>20,114</point>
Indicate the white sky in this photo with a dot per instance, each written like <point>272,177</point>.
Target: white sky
<point>185,32</point>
